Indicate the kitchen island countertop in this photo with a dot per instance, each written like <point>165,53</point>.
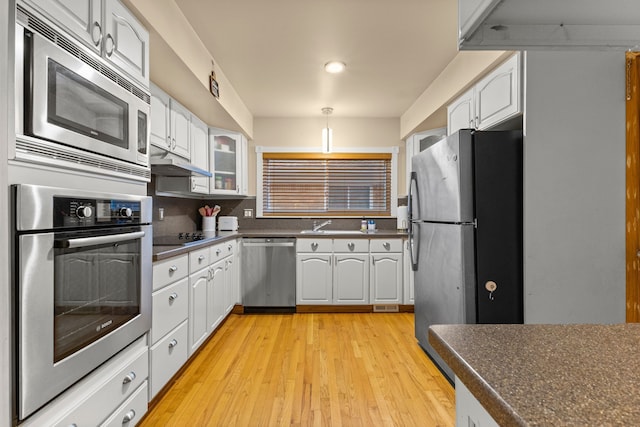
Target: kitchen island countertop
<point>543,375</point>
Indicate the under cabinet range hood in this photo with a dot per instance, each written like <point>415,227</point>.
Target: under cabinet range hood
<point>548,24</point>
<point>172,165</point>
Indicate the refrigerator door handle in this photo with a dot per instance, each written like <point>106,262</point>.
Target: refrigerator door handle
<point>414,246</point>
<point>414,180</point>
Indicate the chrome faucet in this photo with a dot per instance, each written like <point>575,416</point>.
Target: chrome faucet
<point>317,226</point>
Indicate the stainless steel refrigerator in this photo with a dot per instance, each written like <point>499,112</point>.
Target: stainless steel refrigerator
<point>465,207</point>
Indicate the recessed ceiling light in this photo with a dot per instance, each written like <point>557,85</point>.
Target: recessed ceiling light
<point>334,67</point>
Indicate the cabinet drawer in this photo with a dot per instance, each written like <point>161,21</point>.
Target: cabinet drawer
<point>228,248</point>
<point>170,308</point>
<point>314,245</point>
<point>99,404</point>
<point>167,356</point>
<point>351,245</point>
<point>386,245</point>
<point>217,252</point>
<point>170,270</point>
<point>131,411</point>
<point>198,259</point>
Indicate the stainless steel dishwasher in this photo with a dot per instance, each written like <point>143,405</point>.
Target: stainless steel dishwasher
<point>269,275</point>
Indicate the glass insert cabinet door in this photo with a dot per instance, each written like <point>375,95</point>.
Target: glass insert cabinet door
<point>226,151</point>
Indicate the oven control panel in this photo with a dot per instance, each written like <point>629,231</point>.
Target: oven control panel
<point>80,212</point>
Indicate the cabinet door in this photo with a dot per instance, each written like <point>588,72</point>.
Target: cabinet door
<point>243,165</point>
<point>79,17</point>
<point>497,96</point>
<point>180,127</point>
<point>216,296</point>
<point>126,41</point>
<point>198,288</point>
<point>231,279</point>
<point>386,278</point>
<point>460,114</point>
<point>313,279</point>
<point>199,154</point>
<point>351,279</point>
<point>160,132</point>
<point>224,160</point>
<point>167,356</point>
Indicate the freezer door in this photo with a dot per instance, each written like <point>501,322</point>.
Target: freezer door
<point>445,280</point>
<point>444,185</point>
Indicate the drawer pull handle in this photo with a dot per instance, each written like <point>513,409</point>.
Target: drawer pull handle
<point>351,246</point>
<point>230,247</point>
<point>173,269</point>
<point>173,343</point>
<point>218,251</point>
<point>386,245</point>
<point>314,246</point>
<point>129,378</point>
<point>128,417</point>
<point>173,297</point>
<point>201,258</point>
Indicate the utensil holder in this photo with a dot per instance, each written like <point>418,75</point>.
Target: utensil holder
<point>209,223</point>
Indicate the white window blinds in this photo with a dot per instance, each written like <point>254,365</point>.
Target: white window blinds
<point>337,184</point>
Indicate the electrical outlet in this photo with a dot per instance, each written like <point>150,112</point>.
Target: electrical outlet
<point>248,213</point>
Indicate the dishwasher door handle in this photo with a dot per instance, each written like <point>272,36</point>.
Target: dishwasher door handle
<point>268,245</point>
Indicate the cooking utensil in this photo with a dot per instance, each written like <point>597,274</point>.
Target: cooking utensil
<point>202,211</point>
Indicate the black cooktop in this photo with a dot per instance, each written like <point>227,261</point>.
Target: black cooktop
<point>180,239</point>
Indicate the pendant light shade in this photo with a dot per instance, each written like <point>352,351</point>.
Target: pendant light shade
<point>327,132</point>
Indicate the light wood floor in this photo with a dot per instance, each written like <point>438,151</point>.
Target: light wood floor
<point>310,370</point>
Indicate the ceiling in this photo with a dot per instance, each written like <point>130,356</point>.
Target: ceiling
<point>273,52</point>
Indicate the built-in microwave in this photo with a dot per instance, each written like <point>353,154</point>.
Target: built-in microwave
<point>71,104</point>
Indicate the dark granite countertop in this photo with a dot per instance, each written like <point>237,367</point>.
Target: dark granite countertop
<point>547,375</point>
<point>163,252</point>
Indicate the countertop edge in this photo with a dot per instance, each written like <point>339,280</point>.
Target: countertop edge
<point>495,405</point>
<point>163,252</point>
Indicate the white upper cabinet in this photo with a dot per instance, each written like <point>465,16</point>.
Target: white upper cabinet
<point>548,24</point>
<point>170,127</point>
<point>199,154</point>
<point>82,18</point>
<point>125,41</point>
<point>494,99</point>
<point>227,162</point>
<point>106,27</point>
<point>460,113</point>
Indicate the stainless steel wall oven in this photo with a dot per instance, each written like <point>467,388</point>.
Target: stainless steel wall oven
<point>73,107</point>
<point>83,285</point>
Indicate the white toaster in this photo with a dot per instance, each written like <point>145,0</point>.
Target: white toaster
<point>227,223</point>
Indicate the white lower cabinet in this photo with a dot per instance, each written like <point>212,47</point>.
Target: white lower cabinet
<point>167,356</point>
<point>216,296</point>
<point>99,396</point>
<point>386,271</point>
<point>351,271</point>
<point>198,290</point>
<point>314,278</point>
<point>170,311</point>
<point>408,283</point>
<point>131,411</point>
<point>469,412</point>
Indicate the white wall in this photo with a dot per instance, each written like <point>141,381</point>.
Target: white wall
<point>307,132</point>
<point>574,187</point>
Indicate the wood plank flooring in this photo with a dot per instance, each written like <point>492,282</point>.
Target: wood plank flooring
<point>309,370</point>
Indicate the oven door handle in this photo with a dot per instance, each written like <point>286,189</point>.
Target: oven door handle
<point>82,242</point>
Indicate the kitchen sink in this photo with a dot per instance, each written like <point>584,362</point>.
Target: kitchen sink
<point>332,232</point>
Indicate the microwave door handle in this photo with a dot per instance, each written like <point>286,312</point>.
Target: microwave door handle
<point>82,242</point>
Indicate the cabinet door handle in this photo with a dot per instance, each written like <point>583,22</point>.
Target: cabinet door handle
<point>97,42</point>
<point>386,245</point>
<point>113,45</point>
<point>173,343</point>
<point>351,246</point>
<point>174,144</point>
<point>173,269</point>
<point>218,252</point>
<point>173,297</point>
<point>314,246</point>
<point>129,378</point>
<point>330,258</point>
<point>201,258</point>
<point>169,142</point>
<point>129,416</point>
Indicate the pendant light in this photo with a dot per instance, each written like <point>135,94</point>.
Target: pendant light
<point>327,132</point>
